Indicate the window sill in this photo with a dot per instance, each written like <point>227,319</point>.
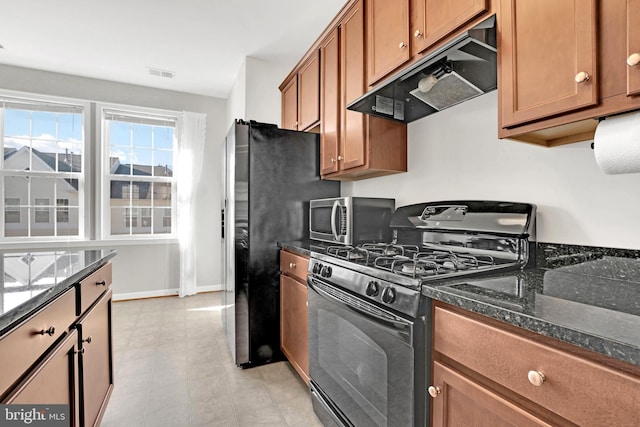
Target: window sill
<point>88,244</point>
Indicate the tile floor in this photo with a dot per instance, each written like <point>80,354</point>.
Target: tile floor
<point>173,368</point>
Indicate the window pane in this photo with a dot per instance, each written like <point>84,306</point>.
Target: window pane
<point>119,134</point>
<point>17,123</point>
<point>17,225</point>
<point>42,210</point>
<point>42,188</point>
<point>40,228</point>
<point>163,138</point>
<point>162,221</point>
<point>144,224</point>
<point>142,162</point>
<point>43,125</point>
<point>70,127</point>
<point>118,225</point>
<point>69,225</point>
<point>142,135</point>
<point>142,192</point>
<point>163,161</point>
<point>162,194</point>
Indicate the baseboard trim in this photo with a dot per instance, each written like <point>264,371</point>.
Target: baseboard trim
<point>160,293</point>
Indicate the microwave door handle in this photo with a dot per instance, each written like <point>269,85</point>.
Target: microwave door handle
<point>334,213</point>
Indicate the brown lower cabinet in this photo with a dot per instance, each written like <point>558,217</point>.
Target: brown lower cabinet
<point>56,357</point>
<point>96,360</point>
<point>294,324</point>
<point>488,373</point>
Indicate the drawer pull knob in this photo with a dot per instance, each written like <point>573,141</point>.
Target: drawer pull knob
<point>434,391</point>
<point>88,340</point>
<point>101,283</point>
<point>50,331</point>
<point>80,351</point>
<point>292,265</point>
<point>536,378</point>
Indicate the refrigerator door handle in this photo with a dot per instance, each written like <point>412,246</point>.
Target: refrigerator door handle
<point>334,212</point>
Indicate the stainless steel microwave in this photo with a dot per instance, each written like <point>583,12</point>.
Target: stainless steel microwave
<point>350,220</point>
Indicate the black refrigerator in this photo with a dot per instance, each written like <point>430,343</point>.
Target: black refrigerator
<point>270,175</point>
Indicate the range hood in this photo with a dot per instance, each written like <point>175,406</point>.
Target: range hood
<point>460,70</point>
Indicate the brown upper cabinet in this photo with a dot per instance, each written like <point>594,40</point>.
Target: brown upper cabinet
<point>548,53</point>
<point>433,20</point>
<point>301,96</point>
<point>353,146</point>
<point>387,37</point>
<point>633,47</point>
<point>563,65</point>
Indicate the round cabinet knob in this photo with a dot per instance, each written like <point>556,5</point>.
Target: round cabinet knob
<point>88,340</point>
<point>101,283</point>
<point>633,59</point>
<point>582,77</point>
<point>333,160</point>
<point>417,34</point>
<point>402,45</point>
<point>389,295</point>
<point>434,391</point>
<point>536,378</point>
<point>372,289</point>
<point>292,265</point>
<point>50,331</point>
<point>340,158</point>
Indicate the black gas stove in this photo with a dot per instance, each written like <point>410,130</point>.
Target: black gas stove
<point>431,241</point>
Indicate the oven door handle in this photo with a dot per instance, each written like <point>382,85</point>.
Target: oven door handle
<point>394,323</point>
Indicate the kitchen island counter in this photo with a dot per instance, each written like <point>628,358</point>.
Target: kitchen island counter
<point>585,296</point>
<point>32,279</point>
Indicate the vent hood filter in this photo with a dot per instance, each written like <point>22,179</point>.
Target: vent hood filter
<point>463,69</point>
<point>449,90</point>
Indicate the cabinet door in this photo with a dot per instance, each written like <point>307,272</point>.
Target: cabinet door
<point>290,104</point>
<point>96,366</point>
<point>53,380</point>
<point>432,20</point>
<point>388,37</point>
<point>463,402</point>
<point>633,47</point>
<point>352,135</point>
<point>294,330</point>
<point>309,92</point>
<point>547,58</point>
<point>330,103</point>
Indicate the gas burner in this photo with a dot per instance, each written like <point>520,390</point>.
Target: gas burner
<point>389,249</point>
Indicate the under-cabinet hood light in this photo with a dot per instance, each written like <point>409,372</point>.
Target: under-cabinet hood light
<point>161,73</point>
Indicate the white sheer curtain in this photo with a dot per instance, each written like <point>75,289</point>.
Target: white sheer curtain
<point>188,170</point>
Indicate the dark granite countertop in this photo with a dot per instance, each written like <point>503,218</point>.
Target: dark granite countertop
<point>589,297</point>
<point>31,279</point>
<point>304,247</point>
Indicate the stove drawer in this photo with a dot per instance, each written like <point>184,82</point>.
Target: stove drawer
<point>294,265</point>
<point>577,389</point>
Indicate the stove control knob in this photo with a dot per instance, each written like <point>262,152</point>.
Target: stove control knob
<point>316,268</point>
<point>326,271</point>
<point>373,289</point>
<point>389,295</point>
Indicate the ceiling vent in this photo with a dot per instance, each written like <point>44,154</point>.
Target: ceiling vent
<point>161,73</point>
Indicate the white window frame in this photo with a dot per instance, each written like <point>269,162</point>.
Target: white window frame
<point>106,178</point>
<point>82,177</point>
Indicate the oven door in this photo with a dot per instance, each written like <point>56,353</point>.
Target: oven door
<point>361,359</point>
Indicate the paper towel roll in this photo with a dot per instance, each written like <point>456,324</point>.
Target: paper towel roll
<point>617,144</point>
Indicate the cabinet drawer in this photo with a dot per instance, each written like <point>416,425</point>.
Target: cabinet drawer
<point>294,265</point>
<point>91,287</point>
<point>22,346</point>
<point>583,392</point>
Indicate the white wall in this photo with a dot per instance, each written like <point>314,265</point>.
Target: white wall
<point>255,94</point>
<point>149,268</point>
<point>455,154</point>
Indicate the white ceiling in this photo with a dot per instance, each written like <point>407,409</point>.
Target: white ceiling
<point>203,41</point>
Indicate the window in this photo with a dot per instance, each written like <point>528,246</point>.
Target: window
<point>62,210</point>
<point>42,213</point>
<point>43,146</point>
<point>12,210</point>
<point>140,149</point>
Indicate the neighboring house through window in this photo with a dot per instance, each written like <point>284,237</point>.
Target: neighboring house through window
<point>43,153</point>
<point>139,180</point>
